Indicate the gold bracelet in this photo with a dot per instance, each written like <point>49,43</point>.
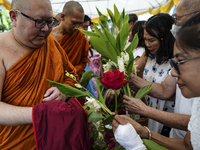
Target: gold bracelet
<point>148,132</point>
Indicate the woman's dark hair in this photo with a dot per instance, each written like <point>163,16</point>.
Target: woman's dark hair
<point>139,28</point>
<point>159,26</point>
<point>188,37</point>
<point>86,18</point>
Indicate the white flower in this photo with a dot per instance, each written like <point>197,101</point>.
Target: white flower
<point>120,61</point>
<point>126,58</point>
<point>93,103</point>
<point>108,65</point>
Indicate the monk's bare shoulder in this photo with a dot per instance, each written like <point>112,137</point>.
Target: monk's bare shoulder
<point>9,51</point>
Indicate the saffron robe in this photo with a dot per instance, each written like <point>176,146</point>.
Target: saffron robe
<point>25,85</point>
<point>61,126</point>
<point>76,46</point>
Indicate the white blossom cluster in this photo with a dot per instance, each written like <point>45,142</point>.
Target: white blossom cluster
<point>122,62</point>
<point>92,103</point>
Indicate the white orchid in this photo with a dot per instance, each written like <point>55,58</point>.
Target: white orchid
<point>108,65</point>
<point>93,103</point>
<point>120,61</point>
<point>126,58</point>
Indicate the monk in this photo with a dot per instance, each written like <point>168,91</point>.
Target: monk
<point>28,56</point>
<point>72,40</point>
<point>58,18</point>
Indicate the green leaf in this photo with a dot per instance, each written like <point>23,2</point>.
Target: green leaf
<point>126,19</point>
<point>95,76</point>
<point>99,12</point>
<point>130,64</point>
<point>143,91</point>
<point>96,29</point>
<point>151,145</point>
<point>123,14</point>
<point>88,33</point>
<point>100,88</point>
<point>111,17</point>
<point>124,35</point>
<point>104,47</point>
<point>103,21</point>
<point>68,90</point>
<point>85,107</point>
<point>108,120</point>
<point>117,16</point>
<point>95,117</point>
<point>85,78</point>
<point>90,110</point>
<point>133,44</point>
<point>111,39</point>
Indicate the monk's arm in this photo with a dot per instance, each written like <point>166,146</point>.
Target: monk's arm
<point>84,58</point>
<point>11,115</point>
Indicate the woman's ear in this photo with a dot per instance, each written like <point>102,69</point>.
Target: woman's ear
<point>13,17</point>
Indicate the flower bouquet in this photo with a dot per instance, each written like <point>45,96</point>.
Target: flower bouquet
<point>118,64</point>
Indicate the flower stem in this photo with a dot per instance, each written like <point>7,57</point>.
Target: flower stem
<point>129,94</point>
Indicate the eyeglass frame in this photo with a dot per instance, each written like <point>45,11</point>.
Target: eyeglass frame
<point>174,64</point>
<point>177,18</point>
<point>46,22</point>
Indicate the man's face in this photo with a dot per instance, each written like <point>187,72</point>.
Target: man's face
<point>73,22</point>
<point>182,15</point>
<point>25,31</point>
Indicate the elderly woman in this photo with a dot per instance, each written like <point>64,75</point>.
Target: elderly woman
<point>186,66</point>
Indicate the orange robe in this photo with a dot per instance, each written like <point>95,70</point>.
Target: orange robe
<point>76,46</point>
<point>25,85</point>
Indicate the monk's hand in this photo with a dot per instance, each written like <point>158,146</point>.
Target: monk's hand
<point>134,105</point>
<point>53,94</point>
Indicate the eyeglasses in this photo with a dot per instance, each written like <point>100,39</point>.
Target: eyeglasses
<point>178,18</point>
<point>39,23</point>
<point>174,64</point>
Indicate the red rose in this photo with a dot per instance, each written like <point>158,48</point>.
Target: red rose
<point>113,79</point>
<point>112,144</point>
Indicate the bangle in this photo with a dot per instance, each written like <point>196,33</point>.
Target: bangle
<point>148,132</point>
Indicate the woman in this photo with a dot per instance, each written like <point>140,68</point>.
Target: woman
<point>138,28</point>
<point>186,66</point>
<point>154,64</point>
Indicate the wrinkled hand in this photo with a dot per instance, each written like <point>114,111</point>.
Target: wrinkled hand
<point>53,94</point>
<point>110,97</point>
<point>118,119</point>
<point>134,105</point>
<point>125,133</point>
<point>123,119</point>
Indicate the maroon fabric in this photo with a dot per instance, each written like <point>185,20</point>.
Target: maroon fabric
<point>61,126</point>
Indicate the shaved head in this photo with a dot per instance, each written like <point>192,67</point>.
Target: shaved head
<point>21,5</point>
<point>189,5</point>
<point>70,6</point>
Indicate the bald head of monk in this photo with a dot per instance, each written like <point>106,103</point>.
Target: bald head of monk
<point>72,16</point>
<point>185,10</point>
<point>29,18</point>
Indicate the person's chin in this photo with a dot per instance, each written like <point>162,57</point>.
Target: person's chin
<point>186,93</point>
